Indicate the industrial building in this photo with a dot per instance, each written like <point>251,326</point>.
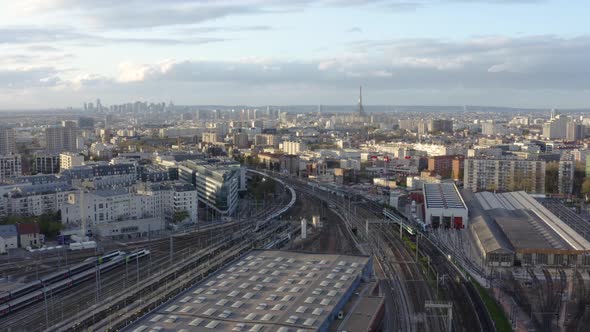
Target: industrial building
<point>515,229</point>
<point>444,206</point>
<point>265,290</point>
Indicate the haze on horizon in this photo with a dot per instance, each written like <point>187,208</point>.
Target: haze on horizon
<point>58,53</point>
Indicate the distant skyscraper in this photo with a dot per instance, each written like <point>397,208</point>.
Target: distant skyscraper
<point>361,108</point>
<point>7,142</point>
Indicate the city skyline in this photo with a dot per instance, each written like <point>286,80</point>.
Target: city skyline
<point>60,53</point>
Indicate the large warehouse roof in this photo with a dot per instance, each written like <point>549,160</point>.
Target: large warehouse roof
<point>264,291</point>
<point>528,224</point>
<point>489,235</point>
<point>443,196</point>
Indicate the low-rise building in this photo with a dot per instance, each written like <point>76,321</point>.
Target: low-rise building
<point>29,235</point>
<point>9,236</point>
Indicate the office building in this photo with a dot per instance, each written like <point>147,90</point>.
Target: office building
<point>504,175</point>
<point>217,183</point>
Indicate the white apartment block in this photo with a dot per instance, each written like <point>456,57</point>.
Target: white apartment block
<point>70,160</point>
<point>292,147</point>
<point>33,200</point>
<point>556,128</point>
<point>158,200</point>
<point>504,175</point>
<point>266,139</point>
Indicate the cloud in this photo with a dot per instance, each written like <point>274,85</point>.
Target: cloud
<point>27,77</point>
<point>480,63</point>
<point>132,14</point>
<point>523,66</point>
<point>32,35</point>
<point>355,29</point>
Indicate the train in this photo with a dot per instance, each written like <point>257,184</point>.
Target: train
<point>35,295</point>
<point>405,225</point>
<point>55,277</point>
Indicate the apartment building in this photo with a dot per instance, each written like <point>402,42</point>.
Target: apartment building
<point>445,165</point>
<point>159,200</point>
<point>10,167</point>
<point>7,141</point>
<point>33,200</point>
<point>70,160</point>
<point>46,164</point>
<point>292,147</point>
<point>62,138</point>
<point>504,175</point>
<point>565,176</point>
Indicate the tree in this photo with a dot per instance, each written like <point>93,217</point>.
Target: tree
<point>552,177</point>
<point>49,223</point>
<point>586,186</point>
<point>180,216</point>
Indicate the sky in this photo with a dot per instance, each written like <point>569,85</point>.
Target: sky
<point>519,53</point>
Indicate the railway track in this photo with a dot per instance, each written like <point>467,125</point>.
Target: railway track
<point>469,311</point>
<point>91,294</point>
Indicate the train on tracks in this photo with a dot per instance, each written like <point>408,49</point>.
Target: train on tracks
<point>59,281</point>
<point>404,224</point>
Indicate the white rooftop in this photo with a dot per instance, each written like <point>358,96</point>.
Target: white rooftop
<point>443,196</point>
<point>266,290</point>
